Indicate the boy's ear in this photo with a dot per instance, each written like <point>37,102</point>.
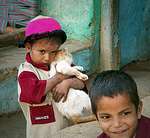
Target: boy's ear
<point>140,107</point>
<point>28,47</point>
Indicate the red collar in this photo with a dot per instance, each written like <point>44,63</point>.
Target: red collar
<point>40,65</point>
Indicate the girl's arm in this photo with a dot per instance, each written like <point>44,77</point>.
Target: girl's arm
<point>61,89</point>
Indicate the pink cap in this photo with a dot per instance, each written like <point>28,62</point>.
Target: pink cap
<point>40,25</point>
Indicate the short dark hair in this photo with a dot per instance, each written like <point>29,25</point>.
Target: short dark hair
<point>57,36</point>
<point>112,83</point>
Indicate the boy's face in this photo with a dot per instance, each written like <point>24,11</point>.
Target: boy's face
<point>43,51</point>
<point>117,116</point>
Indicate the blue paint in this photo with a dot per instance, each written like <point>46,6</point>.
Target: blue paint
<point>75,16</point>
<point>89,58</point>
<point>8,95</point>
<point>95,49</point>
<point>82,58</point>
<point>134,30</point>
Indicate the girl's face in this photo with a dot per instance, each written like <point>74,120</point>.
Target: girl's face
<point>117,116</point>
<point>42,51</point>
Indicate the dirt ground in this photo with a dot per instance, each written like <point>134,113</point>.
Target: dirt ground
<point>13,126</point>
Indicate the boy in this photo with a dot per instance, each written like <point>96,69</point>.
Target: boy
<point>43,37</point>
<point>117,107</point>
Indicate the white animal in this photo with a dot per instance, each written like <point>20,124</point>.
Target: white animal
<point>78,102</point>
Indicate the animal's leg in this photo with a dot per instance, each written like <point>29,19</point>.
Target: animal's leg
<point>65,68</point>
<point>79,68</point>
<point>81,76</point>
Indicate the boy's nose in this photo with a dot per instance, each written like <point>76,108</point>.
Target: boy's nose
<point>116,122</point>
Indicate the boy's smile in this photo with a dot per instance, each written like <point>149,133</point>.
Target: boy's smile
<point>117,116</point>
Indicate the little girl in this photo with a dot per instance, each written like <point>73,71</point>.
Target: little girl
<point>43,37</point>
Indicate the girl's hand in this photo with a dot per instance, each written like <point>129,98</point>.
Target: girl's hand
<point>61,91</point>
<point>61,76</point>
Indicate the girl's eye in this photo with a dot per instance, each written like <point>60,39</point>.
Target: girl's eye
<point>42,52</point>
<point>53,52</point>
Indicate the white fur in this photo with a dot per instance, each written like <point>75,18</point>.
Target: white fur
<point>78,102</point>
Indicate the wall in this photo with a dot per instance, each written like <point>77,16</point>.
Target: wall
<point>76,16</point>
<point>134,30</point>
<point>10,58</point>
<point>8,95</point>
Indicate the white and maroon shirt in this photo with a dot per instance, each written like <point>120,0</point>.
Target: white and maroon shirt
<point>42,119</point>
<point>32,82</point>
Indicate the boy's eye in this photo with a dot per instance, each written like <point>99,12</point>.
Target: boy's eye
<point>126,113</point>
<point>104,118</point>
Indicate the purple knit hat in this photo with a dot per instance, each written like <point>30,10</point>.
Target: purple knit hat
<point>43,26</point>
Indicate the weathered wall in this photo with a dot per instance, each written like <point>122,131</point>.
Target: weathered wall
<point>10,58</point>
<point>76,16</point>
<point>8,93</point>
<point>134,30</point>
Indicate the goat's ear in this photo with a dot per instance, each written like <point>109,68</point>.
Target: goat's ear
<point>66,50</point>
<point>63,50</point>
